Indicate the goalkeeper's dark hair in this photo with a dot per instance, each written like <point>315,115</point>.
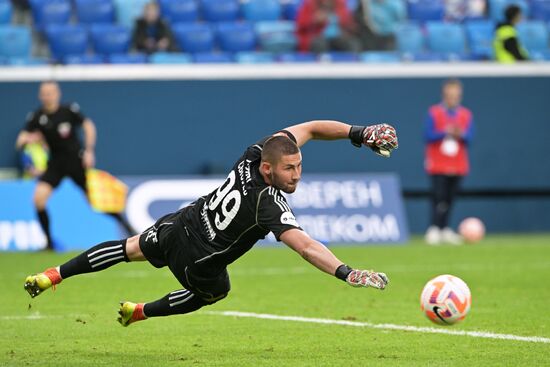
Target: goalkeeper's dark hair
<point>276,147</point>
<point>511,12</point>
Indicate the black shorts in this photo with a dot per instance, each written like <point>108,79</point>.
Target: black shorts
<point>166,244</point>
<point>59,167</point>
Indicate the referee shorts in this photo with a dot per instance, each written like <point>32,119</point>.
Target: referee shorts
<point>163,244</point>
<point>59,167</point>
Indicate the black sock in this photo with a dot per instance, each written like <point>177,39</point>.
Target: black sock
<point>44,220</point>
<point>97,258</point>
<point>124,223</point>
<point>177,302</point>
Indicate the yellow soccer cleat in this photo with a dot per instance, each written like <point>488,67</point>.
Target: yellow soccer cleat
<point>130,312</point>
<point>38,283</point>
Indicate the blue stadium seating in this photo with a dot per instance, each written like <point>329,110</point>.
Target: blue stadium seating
<point>66,39</point>
<point>426,10</point>
<point>384,57</point>
<point>480,35</point>
<point>540,10</point>
<point>5,11</point>
<point>220,10</point>
<point>212,58</point>
<point>15,41</point>
<point>533,35</point>
<point>110,39</point>
<point>128,10</point>
<point>290,8</point>
<point>179,10</point>
<point>169,58</point>
<point>409,38</point>
<point>26,61</point>
<point>336,57</point>
<point>83,60</point>
<point>95,11</point>
<point>194,37</point>
<point>297,57</point>
<point>446,37</point>
<point>48,12</point>
<point>254,58</point>
<point>276,36</point>
<point>424,57</point>
<point>497,7</point>
<point>126,58</point>
<point>236,37</point>
<point>258,10</point>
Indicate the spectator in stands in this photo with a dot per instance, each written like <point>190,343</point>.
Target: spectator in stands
<point>151,33</point>
<point>506,44</point>
<point>326,25</point>
<point>459,10</point>
<point>377,21</point>
<point>448,131</point>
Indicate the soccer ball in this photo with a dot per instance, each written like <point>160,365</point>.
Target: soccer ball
<point>446,299</point>
<point>472,229</point>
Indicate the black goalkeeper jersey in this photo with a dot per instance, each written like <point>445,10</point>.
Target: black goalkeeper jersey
<point>227,222</point>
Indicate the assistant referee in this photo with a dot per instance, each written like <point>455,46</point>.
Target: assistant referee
<point>58,125</point>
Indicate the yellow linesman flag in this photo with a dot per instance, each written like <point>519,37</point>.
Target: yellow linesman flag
<point>106,193</point>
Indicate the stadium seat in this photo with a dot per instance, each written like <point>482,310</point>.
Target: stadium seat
<point>533,35</point>
<point>26,61</point>
<point>276,36</point>
<point>297,57</point>
<point>540,10</point>
<point>497,7</point>
<point>423,57</point>
<point>194,37</point>
<point>95,11</point>
<point>409,38</point>
<point>49,12</point>
<point>258,10</point>
<point>179,10</point>
<point>480,35</point>
<point>426,10</point>
<point>335,57</point>
<point>290,8</point>
<point>254,58</point>
<point>124,58</point>
<point>212,58</point>
<point>169,58</point>
<point>110,39</point>
<point>446,37</point>
<point>5,11</point>
<point>15,41</point>
<point>385,57</point>
<point>66,39</point>
<point>352,5</point>
<point>220,10</point>
<point>94,59</point>
<point>128,10</point>
<point>236,37</point>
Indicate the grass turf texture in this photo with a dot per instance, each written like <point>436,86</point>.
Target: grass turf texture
<point>75,326</point>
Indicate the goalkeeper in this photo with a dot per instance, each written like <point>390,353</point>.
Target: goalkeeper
<point>199,241</point>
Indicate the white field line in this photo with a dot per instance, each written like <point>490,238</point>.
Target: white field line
<point>429,330</point>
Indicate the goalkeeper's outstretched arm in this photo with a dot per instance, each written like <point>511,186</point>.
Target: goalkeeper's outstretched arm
<point>381,138</point>
<point>322,258</point>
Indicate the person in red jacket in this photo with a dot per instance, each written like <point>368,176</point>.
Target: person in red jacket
<point>326,25</point>
<point>448,131</point>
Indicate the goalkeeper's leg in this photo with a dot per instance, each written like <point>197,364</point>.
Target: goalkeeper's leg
<point>201,292</point>
<point>97,258</point>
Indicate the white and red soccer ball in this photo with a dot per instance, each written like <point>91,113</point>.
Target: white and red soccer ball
<point>446,299</point>
<point>471,229</point>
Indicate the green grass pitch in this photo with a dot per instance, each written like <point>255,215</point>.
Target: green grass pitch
<point>509,277</point>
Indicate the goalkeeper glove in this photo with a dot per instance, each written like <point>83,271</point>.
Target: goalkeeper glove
<point>381,138</point>
<point>362,278</point>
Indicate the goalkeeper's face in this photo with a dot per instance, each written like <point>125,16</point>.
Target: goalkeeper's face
<point>286,173</point>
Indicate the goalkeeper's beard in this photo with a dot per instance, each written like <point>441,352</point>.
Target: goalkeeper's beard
<point>286,188</point>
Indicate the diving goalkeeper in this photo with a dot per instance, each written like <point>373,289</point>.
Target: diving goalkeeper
<point>198,242</point>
